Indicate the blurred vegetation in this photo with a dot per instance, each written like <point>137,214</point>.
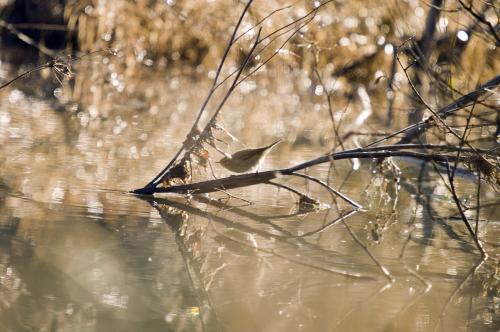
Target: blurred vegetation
<point>349,45</point>
<point>154,33</point>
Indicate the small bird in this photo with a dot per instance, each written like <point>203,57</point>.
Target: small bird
<point>246,160</point>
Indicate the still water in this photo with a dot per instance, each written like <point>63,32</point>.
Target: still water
<point>78,253</point>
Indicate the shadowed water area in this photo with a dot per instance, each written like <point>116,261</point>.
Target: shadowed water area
<point>78,253</point>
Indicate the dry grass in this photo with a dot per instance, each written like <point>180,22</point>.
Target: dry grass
<point>193,34</point>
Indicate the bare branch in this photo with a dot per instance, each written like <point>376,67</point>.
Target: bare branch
<point>330,189</point>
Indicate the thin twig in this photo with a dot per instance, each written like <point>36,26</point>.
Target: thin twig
<point>330,107</point>
<point>330,189</point>
<point>329,224</point>
<point>261,21</point>
<point>382,268</point>
<point>455,292</point>
<point>417,129</point>
<point>481,19</point>
<point>25,38</point>
<point>464,217</point>
<point>154,182</point>
<point>56,64</point>
<point>299,262</point>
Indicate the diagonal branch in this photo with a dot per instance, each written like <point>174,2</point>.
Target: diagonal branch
<point>417,129</point>
<point>250,179</point>
<point>330,189</point>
